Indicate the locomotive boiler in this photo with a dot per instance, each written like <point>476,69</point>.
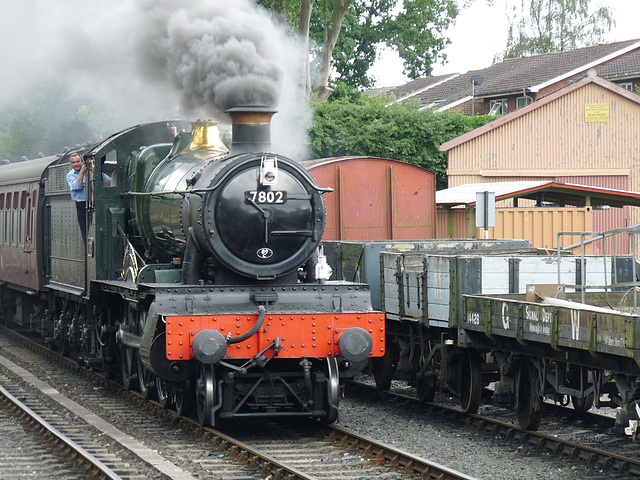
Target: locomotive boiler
<point>202,281</point>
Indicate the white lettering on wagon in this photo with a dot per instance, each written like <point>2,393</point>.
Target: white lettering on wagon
<point>473,318</point>
<point>538,321</point>
<point>505,317</point>
<point>613,342</point>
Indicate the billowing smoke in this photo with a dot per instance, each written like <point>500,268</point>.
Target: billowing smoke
<point>158,59</point>
<point>218,54</point>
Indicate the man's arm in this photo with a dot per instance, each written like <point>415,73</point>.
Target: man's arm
<point>83,170</point>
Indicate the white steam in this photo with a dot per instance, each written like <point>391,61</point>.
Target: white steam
<point>158,59</point>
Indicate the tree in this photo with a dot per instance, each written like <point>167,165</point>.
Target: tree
<point>545,26</point>
<point>359,125</point>
<point>344,35</point>
<point>49,116</point>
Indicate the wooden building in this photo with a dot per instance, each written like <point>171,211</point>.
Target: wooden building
<point>587,133</point>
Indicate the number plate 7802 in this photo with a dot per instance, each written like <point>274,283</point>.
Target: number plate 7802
<point>268,197</point>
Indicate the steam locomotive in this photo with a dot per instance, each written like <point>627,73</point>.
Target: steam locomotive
<point>202,281</point>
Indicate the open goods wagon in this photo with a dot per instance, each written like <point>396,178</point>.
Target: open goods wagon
<point>528,323</point>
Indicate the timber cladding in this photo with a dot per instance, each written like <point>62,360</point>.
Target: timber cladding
<point>587,133</point>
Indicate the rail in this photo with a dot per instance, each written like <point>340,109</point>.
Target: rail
<point>90,464</point>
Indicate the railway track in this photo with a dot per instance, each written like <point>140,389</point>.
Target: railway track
<point>546,443</point>
<point>142,433</point>
<point>38,439</point>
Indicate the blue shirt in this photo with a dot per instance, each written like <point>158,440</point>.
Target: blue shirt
<point>77,191</point>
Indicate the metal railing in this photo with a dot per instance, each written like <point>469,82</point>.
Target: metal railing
<point>588,238</point>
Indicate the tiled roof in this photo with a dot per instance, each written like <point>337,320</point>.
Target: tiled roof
<point>591,77</point>
<point>411,88</point>
<point>520,74</point>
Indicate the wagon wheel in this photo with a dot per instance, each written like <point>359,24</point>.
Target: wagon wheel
<point>470,378</point>
<point>163,393</point>
<point>383,368</point>
<point>529,401</point>
<point>205,394</point>
<point>580,376</point>
<point>185,398</point>
<point>428,372</point>
<point>582,404</point>
<point>332,396</point>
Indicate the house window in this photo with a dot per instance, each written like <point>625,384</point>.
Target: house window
<point>498,107</point>
<point>627,86</point>
<point>523,101</point>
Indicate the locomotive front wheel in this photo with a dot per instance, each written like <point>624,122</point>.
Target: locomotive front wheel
<point>128,367</point>
<point>162,393</point>
<point>470,376</point>
<point>333,391</point>
<point>145,379</point>
<point>205,393</point>
<point>185,398</point>
<point>529,401</point>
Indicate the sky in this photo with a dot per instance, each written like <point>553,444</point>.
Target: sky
<point>481,31</point>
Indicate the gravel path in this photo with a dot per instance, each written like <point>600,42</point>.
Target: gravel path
<point>477,455</point>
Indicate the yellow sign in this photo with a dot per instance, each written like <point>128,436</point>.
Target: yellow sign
<point>596,112</point>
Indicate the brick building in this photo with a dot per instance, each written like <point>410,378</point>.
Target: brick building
<point>514,83</point>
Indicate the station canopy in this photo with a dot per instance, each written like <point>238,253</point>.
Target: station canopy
<point>545,193</point>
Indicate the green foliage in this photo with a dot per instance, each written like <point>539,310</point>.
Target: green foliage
<point>355,50</point>
<point>416,31</point>
<point>545,26</point>
<point>366,126</point>
<point>44,119</point>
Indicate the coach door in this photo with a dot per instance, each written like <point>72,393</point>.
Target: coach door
<point>28,203</point>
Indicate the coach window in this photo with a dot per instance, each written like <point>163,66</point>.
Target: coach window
<point>7,220</point>
<point>2,226</point>
<point>14,220</point>
<point>23,219</point>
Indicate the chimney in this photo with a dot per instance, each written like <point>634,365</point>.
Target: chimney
<point>251,129</point>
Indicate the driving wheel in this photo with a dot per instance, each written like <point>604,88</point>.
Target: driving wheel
<point>205,393</point>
